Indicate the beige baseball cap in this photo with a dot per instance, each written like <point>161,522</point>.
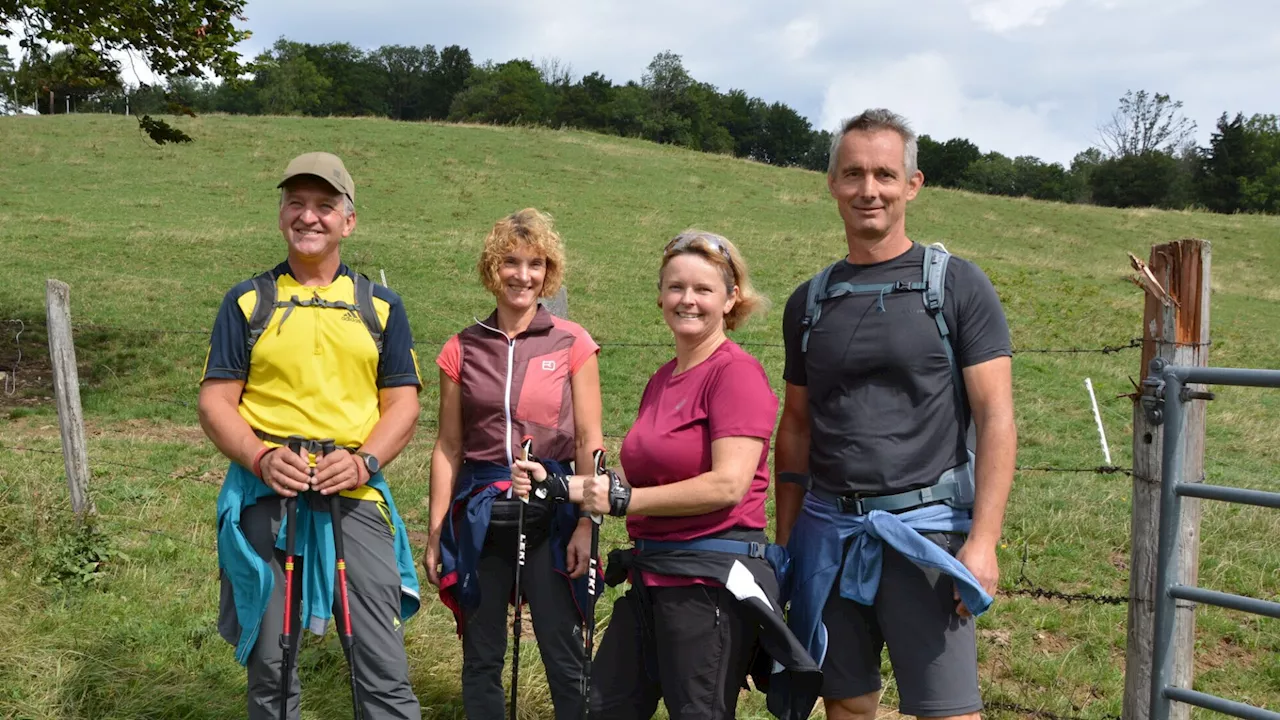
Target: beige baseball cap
<point>327,167</point>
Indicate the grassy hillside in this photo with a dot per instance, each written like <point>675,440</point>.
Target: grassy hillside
<point>150,238</point>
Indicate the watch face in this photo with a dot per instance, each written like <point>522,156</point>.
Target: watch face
<point>371,464</point>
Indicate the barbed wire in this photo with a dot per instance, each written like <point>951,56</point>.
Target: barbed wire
<point>158,471</point>
<point>1105,349</point>
<point>1097,470</point>
<point>1101,470</point>
<point>1047,594</point>
<point>1024,586</point>
<point>145,331</point>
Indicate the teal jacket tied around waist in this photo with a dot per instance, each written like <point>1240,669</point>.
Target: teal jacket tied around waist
<point>251,578</point>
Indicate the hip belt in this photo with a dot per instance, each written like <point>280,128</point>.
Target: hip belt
<point>720,545</point>
<point>955,487</point>
<point>314,447</point>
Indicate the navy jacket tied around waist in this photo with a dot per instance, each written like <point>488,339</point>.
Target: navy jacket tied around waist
<point>462,536</point>
<point>819,561</point>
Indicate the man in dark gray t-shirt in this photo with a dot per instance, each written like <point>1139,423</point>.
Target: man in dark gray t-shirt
<point>882,412</point>
<point>872,411</point>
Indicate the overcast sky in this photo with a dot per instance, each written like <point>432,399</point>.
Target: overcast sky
<point>1018,76</point>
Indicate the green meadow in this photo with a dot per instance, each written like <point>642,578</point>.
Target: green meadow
<point>119,623</point>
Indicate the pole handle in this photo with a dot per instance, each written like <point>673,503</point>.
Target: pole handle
<point>598,456</point>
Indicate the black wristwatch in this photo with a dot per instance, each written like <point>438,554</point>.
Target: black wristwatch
<point>370,463</point>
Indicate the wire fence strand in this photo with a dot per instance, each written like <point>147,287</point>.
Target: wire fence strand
<point>606,344</point>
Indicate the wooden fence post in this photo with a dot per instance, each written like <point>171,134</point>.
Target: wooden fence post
<point>66,387</point>
<point>558,304</point>
<point>1175,326</point>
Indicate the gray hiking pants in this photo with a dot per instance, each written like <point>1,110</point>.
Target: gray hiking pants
<point>373,590</point>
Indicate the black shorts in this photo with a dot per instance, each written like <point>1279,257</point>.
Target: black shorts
<point>694,656</point>
<point>932,649</point>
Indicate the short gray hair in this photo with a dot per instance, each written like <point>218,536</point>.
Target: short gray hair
<point>348,207</point>
<point>871,121</point>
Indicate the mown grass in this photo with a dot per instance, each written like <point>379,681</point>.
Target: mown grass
<point>150,238</point>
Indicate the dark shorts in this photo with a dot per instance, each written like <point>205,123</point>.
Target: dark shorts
<point>694,657</point>
<point>932,649</point>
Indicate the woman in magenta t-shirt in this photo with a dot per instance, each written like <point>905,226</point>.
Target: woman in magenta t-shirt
<point>696,460</point>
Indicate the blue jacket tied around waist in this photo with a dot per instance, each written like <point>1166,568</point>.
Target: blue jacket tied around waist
<point>818,561</point>
<point>464,530</point>
<point>251,578</point>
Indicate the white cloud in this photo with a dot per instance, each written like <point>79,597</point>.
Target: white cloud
<point>1001,16</point>
<point>799,37</point>
<point>1017,76</point>
<point>927,90</point>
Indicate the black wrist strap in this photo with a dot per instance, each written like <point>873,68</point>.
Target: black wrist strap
<point>619,495</point>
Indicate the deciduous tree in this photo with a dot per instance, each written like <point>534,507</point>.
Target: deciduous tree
<point>1146,122</point>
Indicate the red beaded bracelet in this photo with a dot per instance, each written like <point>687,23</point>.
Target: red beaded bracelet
<point>257,461</point>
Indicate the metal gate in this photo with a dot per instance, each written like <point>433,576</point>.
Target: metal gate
<point>1166,392</point>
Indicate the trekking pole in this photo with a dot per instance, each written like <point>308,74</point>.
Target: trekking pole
<point>592,564</point>
<point>343,622</point>
<point>286,634</point>
<point>526,452</point>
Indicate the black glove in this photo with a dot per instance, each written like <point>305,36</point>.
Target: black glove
<point>555,488</point>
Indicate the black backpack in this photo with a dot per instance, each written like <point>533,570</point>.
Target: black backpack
<point>264,287</point>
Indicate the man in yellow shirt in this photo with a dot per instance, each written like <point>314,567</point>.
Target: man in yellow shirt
<point>312,350</point>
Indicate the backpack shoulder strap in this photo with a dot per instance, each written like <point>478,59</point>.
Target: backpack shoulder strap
<point>934,270</point>
<point>368,313</point>
<point>813,305</point>
<point>264,306</point>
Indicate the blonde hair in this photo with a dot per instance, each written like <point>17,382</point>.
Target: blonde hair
<point>717,250</point>
<point>525,228</point>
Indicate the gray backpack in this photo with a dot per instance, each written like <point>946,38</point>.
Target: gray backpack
<point>931,286</point>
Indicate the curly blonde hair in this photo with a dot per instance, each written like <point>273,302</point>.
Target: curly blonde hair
<point>717,250</point>
<point>525,228</point>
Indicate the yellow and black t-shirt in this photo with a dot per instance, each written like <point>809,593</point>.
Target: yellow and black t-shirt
<point>318,372</point>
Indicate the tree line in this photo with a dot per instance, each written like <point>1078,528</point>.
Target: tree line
<point>1145,155</point>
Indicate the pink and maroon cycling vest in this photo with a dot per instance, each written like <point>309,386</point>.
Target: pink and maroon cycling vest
<point>513,387</point>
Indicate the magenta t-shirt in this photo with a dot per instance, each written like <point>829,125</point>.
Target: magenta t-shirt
<point>727,395</point>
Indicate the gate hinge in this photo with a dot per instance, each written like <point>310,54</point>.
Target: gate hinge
<point>1153,393</point>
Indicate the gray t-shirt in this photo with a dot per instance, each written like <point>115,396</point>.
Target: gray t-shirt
<point>882,409</point>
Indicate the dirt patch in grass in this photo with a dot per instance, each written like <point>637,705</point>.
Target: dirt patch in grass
<point>134,430</point>
<point>103,355</point>
<point>157,431</point>
<point>1052,643</point>
<point>1225,654</point>
<point>26,377</point>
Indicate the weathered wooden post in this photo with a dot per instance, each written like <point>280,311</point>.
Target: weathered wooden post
<point>1175,326</point>
<point>66,389</point>
<point>558,304</point>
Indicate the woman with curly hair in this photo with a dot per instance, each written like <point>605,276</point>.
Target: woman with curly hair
<point>521,372</point>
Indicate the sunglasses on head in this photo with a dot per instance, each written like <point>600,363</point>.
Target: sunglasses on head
<point>685,242</point>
